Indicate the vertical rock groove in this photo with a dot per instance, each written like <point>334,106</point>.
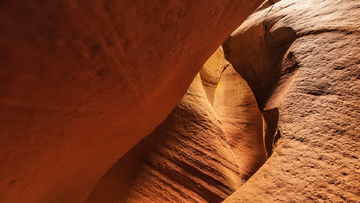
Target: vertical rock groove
<point>270,129</point>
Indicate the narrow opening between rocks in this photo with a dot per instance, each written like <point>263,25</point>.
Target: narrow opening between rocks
<point>212,142</point>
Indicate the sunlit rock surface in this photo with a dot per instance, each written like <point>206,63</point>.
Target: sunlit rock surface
<point>237,109</point>
<point>302,58</point>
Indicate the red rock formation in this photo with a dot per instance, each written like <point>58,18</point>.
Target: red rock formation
<point>81,83</point>
<point>304,62</point>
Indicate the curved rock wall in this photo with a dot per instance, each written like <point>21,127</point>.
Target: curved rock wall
<point>82,83</point>
<point>314,85</point>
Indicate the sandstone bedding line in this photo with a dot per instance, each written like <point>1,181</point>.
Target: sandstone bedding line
<point>82,83</point>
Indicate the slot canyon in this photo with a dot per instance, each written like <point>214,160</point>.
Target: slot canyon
<point>179,101</point>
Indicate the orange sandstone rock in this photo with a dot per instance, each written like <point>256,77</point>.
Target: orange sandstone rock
<point>82,83</point>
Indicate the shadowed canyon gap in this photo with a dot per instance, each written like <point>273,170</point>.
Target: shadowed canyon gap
<point>272,116</point>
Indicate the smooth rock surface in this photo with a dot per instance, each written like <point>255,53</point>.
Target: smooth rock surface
<point>315,85</point>
<point>82,83</point>
<point>211,71</point>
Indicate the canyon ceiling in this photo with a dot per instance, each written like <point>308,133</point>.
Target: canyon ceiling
<point>180,101</point>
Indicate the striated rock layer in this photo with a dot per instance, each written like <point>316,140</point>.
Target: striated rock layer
<point>302,59</point>
<point>82,83</point>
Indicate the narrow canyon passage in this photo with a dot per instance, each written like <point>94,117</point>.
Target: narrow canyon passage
<point>305,105</point>
<point>180,101</point>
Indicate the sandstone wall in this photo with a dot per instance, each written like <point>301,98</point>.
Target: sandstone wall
<point>82,83</point>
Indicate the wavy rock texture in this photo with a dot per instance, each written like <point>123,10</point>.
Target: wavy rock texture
<point>304,62</point>
<point>82,83</point>
<point>200,153</point>
<point>185,159</point>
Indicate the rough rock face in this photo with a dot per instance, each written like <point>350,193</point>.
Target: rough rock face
<point>82,83</point>
<point>302,59</point>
